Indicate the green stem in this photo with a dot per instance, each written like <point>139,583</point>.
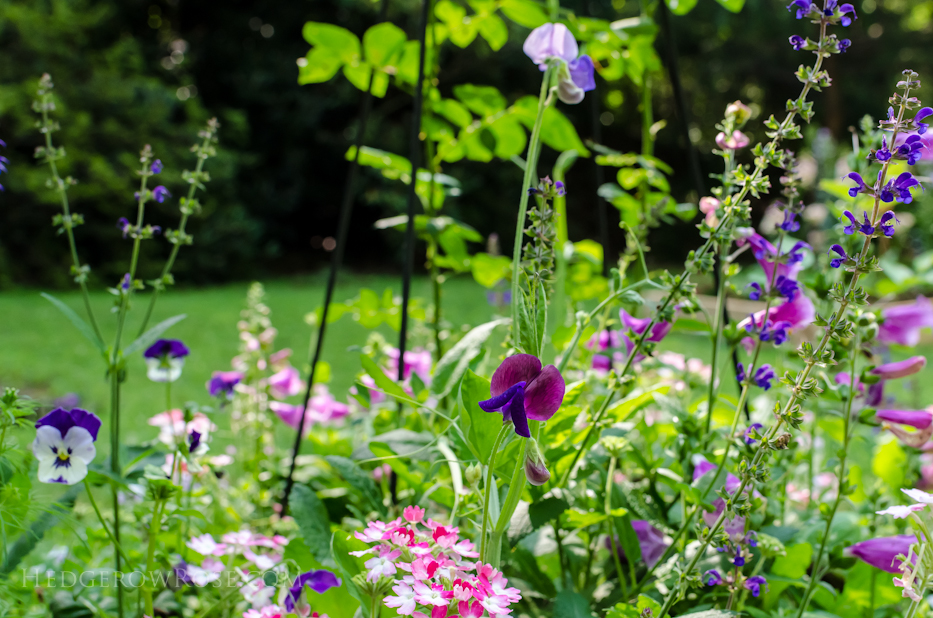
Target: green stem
<point>490,481</point>
<point>607,508</point>
<point>711,395</point>
<point>154,529</point>
<point>817,572</point>
<point>530,170</point>
<point>115,469</point>
<point>116,544</point>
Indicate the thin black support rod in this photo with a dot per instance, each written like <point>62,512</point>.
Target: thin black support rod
<point>336,261</point>
<point>673,69</point>
<point>414,156</point>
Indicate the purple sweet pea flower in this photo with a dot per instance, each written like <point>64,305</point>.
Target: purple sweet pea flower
<point>797,42</point>
<point>753,429</point>
<point>156,167</point>
<point>882,552</point>
<point>222,382</point>
<point>320,581</point>
<point>550,41</point>
<point>581,71</point>
<point>160,193</point>
<point>861,188</point>
<point>839,261</point>
<point>521,389</point>
<point>64,445</point>
<point>920,126</point>
<point>165,359</point>
<point>712,578</point>
<point>754,583</point>
<point>902,323</point>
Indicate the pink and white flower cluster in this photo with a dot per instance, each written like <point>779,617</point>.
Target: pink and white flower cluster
<point>432,570</point>
<point>253,554</point>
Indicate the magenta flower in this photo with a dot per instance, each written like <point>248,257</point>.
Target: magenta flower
<point>900,369</point>
<point>902,323</point>
<point>286,383</point>
<point>222,383</point>
<point>521,389</point>
<point>416,361</point>
<point>921,420</point>
<point>736,141</point>
<point>882,552</point>
<point>638,325</point>
<point>650,540</point>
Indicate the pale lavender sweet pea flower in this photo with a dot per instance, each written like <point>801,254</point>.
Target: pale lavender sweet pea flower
<point>64,445</point>
<point>521,389</point>
<point>902,323</point>
<point>550,41</point>
<point>882,552</point>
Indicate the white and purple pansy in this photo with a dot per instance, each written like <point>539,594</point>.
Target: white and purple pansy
<point>64,445</point>
<point>550,42</point>
<point>521,389</point>
<point>165,359</point>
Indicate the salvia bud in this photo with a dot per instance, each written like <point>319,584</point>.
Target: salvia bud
<point>739,112</point>
<point>535,467</point>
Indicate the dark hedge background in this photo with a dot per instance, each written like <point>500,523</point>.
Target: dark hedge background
<point>277,182</point>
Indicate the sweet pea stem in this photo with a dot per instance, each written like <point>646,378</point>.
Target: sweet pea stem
<point>531,163</point>
<point>490,481</point>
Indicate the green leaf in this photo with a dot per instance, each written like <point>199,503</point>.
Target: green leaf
<point>360,480</point>
<point>493,29</point>
<point>888,464</point>
<point>576,518</point>
<point>524,12</point>
<point>320,66</point>
<point>454,111</point>
<point>481,100</point>
<point>510,137</point>
<point>732,5</point>
<point>488,270</point>
<point>795,562</point>
<point>456,361</point>
<point>479,427</point>
<point>313,522</point>
<point>556,129</point>
<point>149,337</point>
<point>341,545</point>
<point>338,41</point>
<point>527,566</point>
<point>681,7</point>
<point>381,379</point>
<point>383,44</point>
<point>547,510</point>
<point>569,604</point>
<point>22,546</point>
<point>83,327</point>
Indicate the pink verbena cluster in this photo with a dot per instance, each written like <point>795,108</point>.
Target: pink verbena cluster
<point>430,568</point>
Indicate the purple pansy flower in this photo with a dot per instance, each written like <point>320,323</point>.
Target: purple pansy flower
<point>902,323</point>
<point>521,389</point>
<point>156,167</point>
<point>320,581</point>
<point>797,42</point>
<point>64,445</point>
<point>839,261</point>
<point>165,359</point>
<point>222,383</point>
<point>754,583</point>
<point>882,552</point>
<point>750,433</point>
<point>160,193</point>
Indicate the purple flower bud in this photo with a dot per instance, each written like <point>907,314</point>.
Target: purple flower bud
<point>789,224</point>
<point>918,123</point>
<point>126,283</point>
<point>222,383</point>
<point>156,167</point>
<point>861,188</point>
<point>194,441</point>
<point>740,372</point>
<point>837,262</point>
<point>124,225</point>
<point>535,466</point>
<point>842,45</point>
<point>900,369</point>
<point>559,187</point>
<point>160,193</point>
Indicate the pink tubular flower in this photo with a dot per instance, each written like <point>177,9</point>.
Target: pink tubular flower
<point>767,256</point>
<point>416,361</point>
<point>921,420</point>
<point>322,408</point>
<point>604,340</point>
<point>900,369</point>
<point>902,323</point>
<point>882,552</point>
<point>286,383</point>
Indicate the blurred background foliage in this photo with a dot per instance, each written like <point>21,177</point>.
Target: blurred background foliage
<point>131,72</point>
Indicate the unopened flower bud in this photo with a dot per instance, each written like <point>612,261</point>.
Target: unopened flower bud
<point>739,112</point>
<point>736,141</point>
<point>473,475</point>
<point>535,467</point>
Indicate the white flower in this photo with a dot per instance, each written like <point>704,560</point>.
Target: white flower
<point>918,495</point>
<point>63,459</point>
<point>900,511</point>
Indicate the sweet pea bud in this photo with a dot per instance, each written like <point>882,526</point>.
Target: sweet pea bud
<point>535,467</point>
<point>473,475</point>
<point>738,112</point>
